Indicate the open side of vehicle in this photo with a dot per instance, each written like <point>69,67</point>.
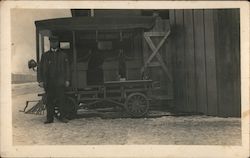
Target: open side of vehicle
<point>107,59</point>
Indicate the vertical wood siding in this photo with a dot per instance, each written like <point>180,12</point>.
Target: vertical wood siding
<point>210,63</point>
<point>228,61</point>
<point>200,61</point>
<point>189,60</point>
<point>180,86</point>
<point>206,61</point>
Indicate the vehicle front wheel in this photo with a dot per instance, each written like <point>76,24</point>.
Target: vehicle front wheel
<point>71,108</point>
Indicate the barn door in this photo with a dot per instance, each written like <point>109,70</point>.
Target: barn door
<point>155,51</point>
<point>157,59</point>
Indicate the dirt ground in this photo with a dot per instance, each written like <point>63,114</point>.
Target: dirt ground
<point>28,129</point>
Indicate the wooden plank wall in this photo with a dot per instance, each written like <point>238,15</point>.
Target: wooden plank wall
<point>179,65</point>
<point>210,63</point>
<point>206,61</point>
<point>156,72</point>
<point>189,60</point>
<point>228,61</point>
<point>200,64</point>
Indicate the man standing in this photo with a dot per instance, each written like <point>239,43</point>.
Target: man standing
<point>54,77</point>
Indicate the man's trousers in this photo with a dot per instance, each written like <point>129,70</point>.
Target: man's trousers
<point>55,97</point>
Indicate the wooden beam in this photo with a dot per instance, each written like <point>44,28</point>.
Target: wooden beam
<point>75,75</point>
<point>190,61</point>
<point>179,70</point>
<point>155,33</point>
<point>37,45</point>
<point>212,94</point>
<point>155,53</point>
<point>37,54</point>
<point>145,49</point>
<point>42,43</point>
<point>155,50</point>
<point>154,64</point>
<point>236,40</point>
<point>171,56</point>
<point>199,49</point>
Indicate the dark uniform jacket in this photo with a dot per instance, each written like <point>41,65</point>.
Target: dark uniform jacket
<point>54,68</point>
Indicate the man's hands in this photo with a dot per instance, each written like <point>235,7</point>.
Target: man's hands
<point>41,84</point>
<point>66,83</point>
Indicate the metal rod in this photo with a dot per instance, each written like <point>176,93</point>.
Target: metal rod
<point>42,43</point>
<point>115,102</point>
<point>92,12</point>
<point>97,101</point>
<point>96,36</point>
<point>121,38</point>
<point>37,53</point>
<point>37,45</point>
<point>75,75</point>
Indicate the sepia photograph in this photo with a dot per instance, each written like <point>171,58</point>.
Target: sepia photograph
<point>127,77</point>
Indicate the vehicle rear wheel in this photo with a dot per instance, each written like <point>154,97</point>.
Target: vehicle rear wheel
<point>137,104</point>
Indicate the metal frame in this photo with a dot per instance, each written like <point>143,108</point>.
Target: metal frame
<point>121,91</point>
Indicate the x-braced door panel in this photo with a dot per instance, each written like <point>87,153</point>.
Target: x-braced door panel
<point>155,51</point>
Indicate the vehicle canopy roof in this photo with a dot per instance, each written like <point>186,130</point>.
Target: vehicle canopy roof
<point>97,23</point>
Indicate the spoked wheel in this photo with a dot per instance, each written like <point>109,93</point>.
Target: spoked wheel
<point>71,109</point>
<point>137,104</point>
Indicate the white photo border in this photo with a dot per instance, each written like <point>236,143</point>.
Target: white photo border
<point>7,148</point>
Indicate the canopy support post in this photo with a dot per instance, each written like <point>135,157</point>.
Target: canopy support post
<point>75,75</point>
<point>37,45</point>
